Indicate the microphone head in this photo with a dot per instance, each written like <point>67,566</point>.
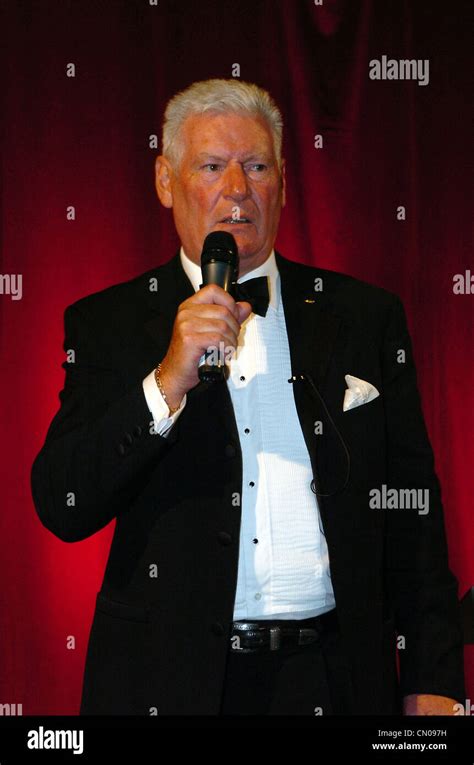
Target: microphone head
<point>220,245</point>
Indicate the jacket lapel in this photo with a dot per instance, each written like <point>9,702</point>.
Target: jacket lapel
<point>172,287</point>
<point>312,329</point>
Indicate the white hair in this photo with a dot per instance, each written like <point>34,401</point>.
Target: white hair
<point>216,97</point>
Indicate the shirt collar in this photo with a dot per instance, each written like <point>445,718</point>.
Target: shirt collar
<point>268,268</point>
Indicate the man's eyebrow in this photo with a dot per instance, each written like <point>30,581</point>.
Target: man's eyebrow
<point>205,155</point>
<point>252,157</point>
<point>261,156</point>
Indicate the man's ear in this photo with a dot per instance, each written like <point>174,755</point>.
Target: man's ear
<point>283,184</point>
<point>163,172</point>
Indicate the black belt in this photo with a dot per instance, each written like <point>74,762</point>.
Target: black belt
<point>271,635</point>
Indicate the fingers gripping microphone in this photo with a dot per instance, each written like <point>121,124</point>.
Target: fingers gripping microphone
<point>219,265</point>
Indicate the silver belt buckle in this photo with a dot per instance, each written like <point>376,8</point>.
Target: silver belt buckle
<point>242,629</point>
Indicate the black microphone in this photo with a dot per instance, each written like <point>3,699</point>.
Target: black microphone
<point>219,265</point>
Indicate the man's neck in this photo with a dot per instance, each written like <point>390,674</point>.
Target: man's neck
<point>246,267</point>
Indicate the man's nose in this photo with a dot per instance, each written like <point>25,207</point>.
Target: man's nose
<point>235,182</point>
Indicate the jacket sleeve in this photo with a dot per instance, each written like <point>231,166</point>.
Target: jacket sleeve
<point>101,446</point>
<point>420,585</point>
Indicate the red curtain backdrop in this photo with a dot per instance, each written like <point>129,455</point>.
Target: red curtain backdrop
<point>84,141</point>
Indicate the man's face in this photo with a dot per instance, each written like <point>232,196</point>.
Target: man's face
<point>228,171</point>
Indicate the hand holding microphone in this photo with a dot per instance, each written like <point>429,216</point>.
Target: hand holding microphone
<point>209,319</point>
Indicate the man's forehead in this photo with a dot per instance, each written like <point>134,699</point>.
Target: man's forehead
<point>209,133</point>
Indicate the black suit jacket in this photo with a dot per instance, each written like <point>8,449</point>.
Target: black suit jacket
<point>160,632</point>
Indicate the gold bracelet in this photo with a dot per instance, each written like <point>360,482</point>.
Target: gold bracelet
<point>160,386</point>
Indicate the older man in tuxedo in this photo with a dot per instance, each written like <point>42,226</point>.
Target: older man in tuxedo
<point>250,572</point>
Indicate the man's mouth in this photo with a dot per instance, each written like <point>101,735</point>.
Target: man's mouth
<point>235,221</point>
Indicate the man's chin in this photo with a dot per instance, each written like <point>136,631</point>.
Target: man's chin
<point>244,235</point>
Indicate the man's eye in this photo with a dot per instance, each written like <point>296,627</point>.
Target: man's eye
<point>258,167</point>
<point>211,167</point>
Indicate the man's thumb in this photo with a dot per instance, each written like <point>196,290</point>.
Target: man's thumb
<point>245,309</point>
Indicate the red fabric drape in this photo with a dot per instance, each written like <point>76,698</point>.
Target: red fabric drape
<point>84,141</point>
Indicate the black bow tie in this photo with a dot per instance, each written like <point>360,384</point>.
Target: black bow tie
<point>255,292</point>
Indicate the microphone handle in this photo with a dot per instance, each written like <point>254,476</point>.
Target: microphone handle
<point>211,365</point>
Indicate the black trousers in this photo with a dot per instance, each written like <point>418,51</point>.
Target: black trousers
<point>311,680</point>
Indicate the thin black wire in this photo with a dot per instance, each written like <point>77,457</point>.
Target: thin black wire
<point>306,376</point>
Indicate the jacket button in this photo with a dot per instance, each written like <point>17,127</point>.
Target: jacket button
<point>128,439</point>
<point>229,450</point>
<point>137,431</point>
<point>217,628</point>
<point>121,450</point>
<point>224,538</point>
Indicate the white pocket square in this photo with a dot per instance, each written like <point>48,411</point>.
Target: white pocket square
<point>358,392</point>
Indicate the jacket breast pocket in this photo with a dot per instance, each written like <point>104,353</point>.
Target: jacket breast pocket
<point>131,612</point>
